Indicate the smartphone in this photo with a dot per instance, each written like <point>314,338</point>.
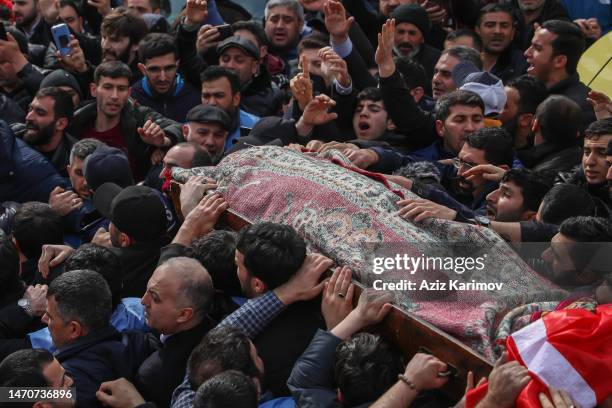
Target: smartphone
<point>3,35</point>
<point>225,31</point>
<point>61,37</point>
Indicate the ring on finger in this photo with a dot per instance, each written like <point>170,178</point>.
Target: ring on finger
<point>341,295</point>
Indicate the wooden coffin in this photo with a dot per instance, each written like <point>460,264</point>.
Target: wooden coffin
<point>411,334</point>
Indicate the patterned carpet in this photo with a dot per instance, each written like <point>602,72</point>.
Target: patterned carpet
<point>351,218</point>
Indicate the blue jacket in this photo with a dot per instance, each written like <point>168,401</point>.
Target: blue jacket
<point>93,359</point>
<point>246,123</point>
<point>127,316</point>
<point>175,106</point>
<point>25,174</point>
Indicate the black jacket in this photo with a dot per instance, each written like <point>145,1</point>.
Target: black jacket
<point>549,158</point>
<point>284,341</point>
<point>30,78</point>
<point>174,106</point>
<point>10,111</point>
<point>428,57</point>
<point>41,33</point>
<point>552,10</point>
<point>510,64</point>
<point>164,370</point>
<point>576,91</point>
<point>261,97</point>
<point>138,262</point>
<point>132,117</point>
<point>93,359</point>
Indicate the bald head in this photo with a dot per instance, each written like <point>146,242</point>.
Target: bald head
<point>195,287</point>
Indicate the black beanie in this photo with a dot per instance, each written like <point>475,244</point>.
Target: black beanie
<point>412,13</point>
<point>59,77</point>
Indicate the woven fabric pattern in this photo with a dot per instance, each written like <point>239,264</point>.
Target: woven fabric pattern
<point>349,217</point>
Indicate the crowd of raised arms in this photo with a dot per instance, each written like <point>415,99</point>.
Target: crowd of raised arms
<point>476,106</point>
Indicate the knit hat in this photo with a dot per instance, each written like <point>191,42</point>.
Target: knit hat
<point>59,77</point>
<point>412,13</point>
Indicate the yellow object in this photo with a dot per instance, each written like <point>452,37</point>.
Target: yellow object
<point>595,65</point>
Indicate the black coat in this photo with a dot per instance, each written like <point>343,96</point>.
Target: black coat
<point>260,97</point>
<point>164,370</point>
<point>132,117</point>
<point>549,158</point>
<point>576,91</point>
<point>552,10</point>
<point>510,64</point>
<point>428,57</point>
<point>93,359</point>
<point>284,340</point>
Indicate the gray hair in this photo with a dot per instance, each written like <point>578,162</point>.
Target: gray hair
<point>83,148</point>
<point>292,4</point>
<point>83,296</point>
<point>196,287</point>
<point>463,53</point>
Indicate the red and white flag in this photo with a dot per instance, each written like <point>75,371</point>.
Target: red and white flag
<point>569,350</point>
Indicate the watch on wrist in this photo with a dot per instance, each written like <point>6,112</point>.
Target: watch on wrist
<point>26,305</point>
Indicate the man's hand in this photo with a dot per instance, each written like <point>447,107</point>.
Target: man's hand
<point>64,202</point>
<point>506,382</point>
<point>362,158</point>
<point>202,219</point>
<point>37,295</point>
<point>336,65</point>
<point>401,180</point>
<point>336,22</point>
<point>196,11</point>
<point>208,38</point>
<point>423,371</point>
<point>103,6</point>
<point>49,9</point>
<point>152,134</point>
<point>372,307</point>
<point>590,28</point>
<point>421,209</point>
<point>119,394</point>
<point>157,156</point>
<point>384,51</point>
<point>337,300</point>
<point>102,238</point>
<point>51,256</point>
<point>482,172</point>
<point>193,191</point>
<point>305,285</point>
<point>436,13</point>
<point>337,146</point>
<point>75,61</point>
<point>316,113</point>
<point>301,87</point>
<point>601,103</point>
<point>11,53</point>
<point>560,399</point>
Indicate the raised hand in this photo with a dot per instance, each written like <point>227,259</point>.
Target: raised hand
<point>193,191</point>
<point>301,87</point>
<point>336,65</point>
<point>103,6</point>
<point>305,285</point>
<point>208,38</point>
<point>316,112</point>
<point>601,103</point>
<point>196,11</point>
<point>64,202</point>
<point>51,256</point>
<point>336,22</point>
<point>384,51</point>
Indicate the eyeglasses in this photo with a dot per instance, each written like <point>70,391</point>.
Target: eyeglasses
<point>158,70</point>
<point>459,164</point>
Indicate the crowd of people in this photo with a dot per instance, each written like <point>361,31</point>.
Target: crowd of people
<point>475,106</point>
